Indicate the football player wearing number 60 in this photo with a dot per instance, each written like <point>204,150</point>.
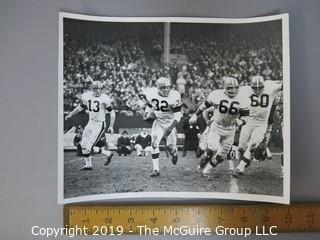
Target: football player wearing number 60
<point>97,104</point>
<point>164,105</point>
<point>261,95</point>
<point>229,106</point>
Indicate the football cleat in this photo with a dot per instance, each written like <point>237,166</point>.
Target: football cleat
<point>85,168</point>
<point>257,84</point>
<point>174,159</point>
<point>205,175</point>
<point>237,172</point>
<point>108,160</point>
<point>155,173</point>
<point>231,86</point>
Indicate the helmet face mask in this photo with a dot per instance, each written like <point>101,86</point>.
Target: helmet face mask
<point>257,84</point>
<point>96,88</point>
<point>231,86</point>
<point>257,90</point>
<point>232,91</point>
<point>163,85</point>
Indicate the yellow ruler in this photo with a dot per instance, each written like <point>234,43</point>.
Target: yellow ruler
<point>264,219</point>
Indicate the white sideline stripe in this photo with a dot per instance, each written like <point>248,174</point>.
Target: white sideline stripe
<point>73,160</point>
<point>233,181</point>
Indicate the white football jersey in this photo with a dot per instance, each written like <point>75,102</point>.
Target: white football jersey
<point>227,109</point>
<point>164,107</point>
<point>260,106</point>
<point>96,106</point>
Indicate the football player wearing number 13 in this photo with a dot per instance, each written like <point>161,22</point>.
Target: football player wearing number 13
<point>261,94</point>
<point>229,106</point>
<point>97,104</point>
<point>163,105</point>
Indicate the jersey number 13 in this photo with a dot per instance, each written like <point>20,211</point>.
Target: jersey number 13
<point>94,106</point>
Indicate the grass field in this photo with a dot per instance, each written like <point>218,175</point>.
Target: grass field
<point>132,174</point>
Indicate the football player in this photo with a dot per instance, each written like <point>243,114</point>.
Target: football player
<point>97,104</point>
<point>163,105</point>
<point>230,106</point>
<point>261,94</point>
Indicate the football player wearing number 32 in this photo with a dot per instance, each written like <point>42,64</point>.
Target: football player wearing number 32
<point>163,105</point>
<point>229,107</point>
<point>261,96</point>
<point>97,104</point>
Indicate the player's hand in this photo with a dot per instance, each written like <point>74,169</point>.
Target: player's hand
<point>110,130</point>
<point>193,119</point>
<point>67,117</point>
<point>239,122</point>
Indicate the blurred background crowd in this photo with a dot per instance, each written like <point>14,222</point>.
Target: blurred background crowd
<point>128,58</point>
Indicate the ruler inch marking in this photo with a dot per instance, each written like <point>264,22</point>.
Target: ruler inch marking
<point>292,218</point>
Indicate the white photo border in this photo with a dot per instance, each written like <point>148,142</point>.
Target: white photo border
<point>285,199</point>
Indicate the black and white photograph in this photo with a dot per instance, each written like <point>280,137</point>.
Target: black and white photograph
<point>174,108</point>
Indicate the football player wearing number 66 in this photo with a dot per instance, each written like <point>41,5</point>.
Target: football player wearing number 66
<point>164,106</point>
<point>261,96</point>
<point>97,104</point>
<point>229,107</point>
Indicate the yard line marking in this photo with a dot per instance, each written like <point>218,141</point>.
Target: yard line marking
<point>72,160</point>
<point>233,181</point>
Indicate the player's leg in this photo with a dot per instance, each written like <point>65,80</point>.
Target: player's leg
<point>84,143</point>
<point>213,143</point>
<point>96,135</point>
<point>156,135</point>
<point>172,145</point>
<point>202,143</point>
<point>256,138</point>
<point>223,148</point>
<point>139,149</point>
<point>244,138</point>
<point>97,130</point>
<point>262,151</point>
<point>147,150</point>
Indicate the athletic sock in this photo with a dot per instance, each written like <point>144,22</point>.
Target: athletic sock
<point>242,165</point>
<point>207,169</point>
<point>155,164</point>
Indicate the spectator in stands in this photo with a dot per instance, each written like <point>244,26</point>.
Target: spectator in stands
<point>143,143</point>
<point>181,85</point>
<point>127,63</point>
<point>123,144</point>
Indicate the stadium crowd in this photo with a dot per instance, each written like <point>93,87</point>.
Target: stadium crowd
<point>129,60</point>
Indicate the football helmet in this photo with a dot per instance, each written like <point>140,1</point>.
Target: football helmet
<point>231,86</point>
<point>163,85</point>
<point>96,88</point>
<point>257,84</point>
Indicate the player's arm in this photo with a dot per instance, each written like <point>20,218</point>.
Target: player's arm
<point>243,114</point>
<point>78,109</point>
<point>278,85</point>
<point>206,104</point>
<point>205,114</point>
